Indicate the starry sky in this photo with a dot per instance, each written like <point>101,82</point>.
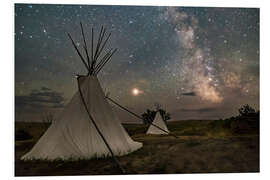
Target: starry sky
<point>197,62</point>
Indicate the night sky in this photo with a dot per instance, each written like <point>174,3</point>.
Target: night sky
<point>198,63</point>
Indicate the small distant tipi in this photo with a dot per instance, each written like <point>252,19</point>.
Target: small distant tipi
<point>159,122</point>
<point>87,127</point>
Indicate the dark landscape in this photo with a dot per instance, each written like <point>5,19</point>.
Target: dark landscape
<point>202,146</point>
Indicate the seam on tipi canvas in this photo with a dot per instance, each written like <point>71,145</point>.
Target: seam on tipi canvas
<point>72,141</point>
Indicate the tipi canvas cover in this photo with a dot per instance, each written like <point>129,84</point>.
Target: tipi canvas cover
<point>158,121</point>
<point>73,135</point>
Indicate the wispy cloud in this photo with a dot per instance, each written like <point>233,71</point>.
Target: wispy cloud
<point>199,110</point>
<point>189,94</point>
<point>42,98</point>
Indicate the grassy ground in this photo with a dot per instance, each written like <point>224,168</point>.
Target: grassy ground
<point>200,148</point>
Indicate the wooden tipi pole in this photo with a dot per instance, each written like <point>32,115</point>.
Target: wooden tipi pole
<point>98,130</point>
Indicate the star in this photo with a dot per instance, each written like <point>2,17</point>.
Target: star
<point>166,50</point>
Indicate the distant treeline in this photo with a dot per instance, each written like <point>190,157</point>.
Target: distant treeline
<point>246,122</point>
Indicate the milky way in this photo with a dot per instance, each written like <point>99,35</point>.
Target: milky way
<point>198,63</point>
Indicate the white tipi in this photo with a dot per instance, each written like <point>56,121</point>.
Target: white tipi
<point>158,122</point>
<point>87,127</point>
